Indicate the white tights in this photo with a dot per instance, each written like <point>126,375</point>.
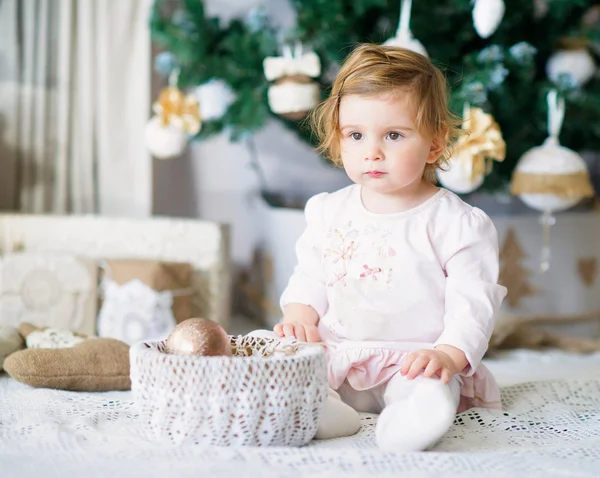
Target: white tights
<point>414,414</point>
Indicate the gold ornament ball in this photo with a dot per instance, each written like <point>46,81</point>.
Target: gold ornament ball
<point>199,336</point>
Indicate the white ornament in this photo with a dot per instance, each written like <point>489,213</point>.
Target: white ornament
<point>164,141</point>
<point>487,15</point>
<point>579,64</point>
<point>292,64</point>
<point>550,177</point>
<point>404,37</point>
<point>552,160</point>
<point>294,93</point>
<point>293,97</point>
<point>458,177</point>
<point>133,312</point>
<point>540,8</point>
<point>214,97</point>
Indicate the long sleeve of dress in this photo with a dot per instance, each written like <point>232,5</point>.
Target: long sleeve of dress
<point>473,296</point>
<point>307,283</point>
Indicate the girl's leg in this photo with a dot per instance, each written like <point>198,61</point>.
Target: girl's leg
<point>337,419</point>
<point>366,401</point>
<point>417,413</point>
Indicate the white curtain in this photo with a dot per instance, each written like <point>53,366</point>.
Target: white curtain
<point>74,100</point>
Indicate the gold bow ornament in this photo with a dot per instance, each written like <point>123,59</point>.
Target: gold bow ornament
<point>473,153</point>
<point>182,111</point>
<point>177,116</point>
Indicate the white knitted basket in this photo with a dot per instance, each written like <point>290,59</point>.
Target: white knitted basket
<point>268,393</point>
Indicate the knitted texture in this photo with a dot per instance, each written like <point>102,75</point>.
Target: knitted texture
<point>269,393</point>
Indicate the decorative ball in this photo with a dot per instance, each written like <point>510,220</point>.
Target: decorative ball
<point>459,178</point>
<point>293,96</point>
<point>164,141</point>
<point>591,17</point>
<point>551,178</point>
<point>214,98</point>
<point>540,8</point>
<point>487,15</point>
<point>406,41</point>
<point>198,337</point>
<point>579,64</point>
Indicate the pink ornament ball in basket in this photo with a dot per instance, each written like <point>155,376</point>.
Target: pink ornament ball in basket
<point>269,392</point>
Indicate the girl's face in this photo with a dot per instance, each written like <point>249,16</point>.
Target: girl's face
<point>381,148</point>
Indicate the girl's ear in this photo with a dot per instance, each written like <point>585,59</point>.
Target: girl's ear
<point>438,144</point>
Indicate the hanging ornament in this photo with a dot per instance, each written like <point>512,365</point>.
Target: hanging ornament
<point>591,17</point>
<point>540,8</point>
<point>177,116</point>
<point>474,153</point>
<point>550,177</point>
<point>487,15</point>
<point>404,37</point>
<point>215,96</point>
<point>293,92</point>
<point>573,59</point>
<point>164,141</point>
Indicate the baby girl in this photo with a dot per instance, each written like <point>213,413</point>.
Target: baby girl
<point>397,277</point>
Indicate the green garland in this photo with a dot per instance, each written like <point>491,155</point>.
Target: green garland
<point>504,75</point>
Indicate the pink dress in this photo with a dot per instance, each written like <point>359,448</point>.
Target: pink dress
<point>388,284</point>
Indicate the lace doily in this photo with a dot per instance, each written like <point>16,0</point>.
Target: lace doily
<point>133,311</point>
<point>549,429</point>
<point>53,290</point>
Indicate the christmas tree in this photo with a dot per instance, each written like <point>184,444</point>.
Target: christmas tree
<point>537,45</point>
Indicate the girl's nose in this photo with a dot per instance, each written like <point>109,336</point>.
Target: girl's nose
<point>373,152</point>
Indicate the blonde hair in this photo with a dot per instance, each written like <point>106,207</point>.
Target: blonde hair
<point>372,70</point>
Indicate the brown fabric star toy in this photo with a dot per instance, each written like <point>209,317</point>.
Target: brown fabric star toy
<point>62,360</point>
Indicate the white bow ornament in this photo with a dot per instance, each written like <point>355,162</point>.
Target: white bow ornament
<point>292,64</point>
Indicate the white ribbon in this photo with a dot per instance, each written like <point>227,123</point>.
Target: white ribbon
<point>556,115</point>
<point>404,23</point>
<point>292,63</point>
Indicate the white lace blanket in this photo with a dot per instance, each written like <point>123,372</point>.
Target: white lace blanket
<point>549,428</point>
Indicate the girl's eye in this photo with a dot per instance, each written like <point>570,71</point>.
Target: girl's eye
<point>356,136</point>
<point>394,136</point>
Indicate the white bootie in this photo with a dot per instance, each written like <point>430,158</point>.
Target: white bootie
<point>417,422</point>
<point>337,419</point>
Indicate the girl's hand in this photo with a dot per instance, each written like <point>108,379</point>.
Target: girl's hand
<point>299,321</point>
<point>434,362</point>
<point>302,332</point>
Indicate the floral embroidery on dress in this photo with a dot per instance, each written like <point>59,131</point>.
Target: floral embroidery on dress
<point>342,250</point>
<point>377,273</point>
<point>374,244</point>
